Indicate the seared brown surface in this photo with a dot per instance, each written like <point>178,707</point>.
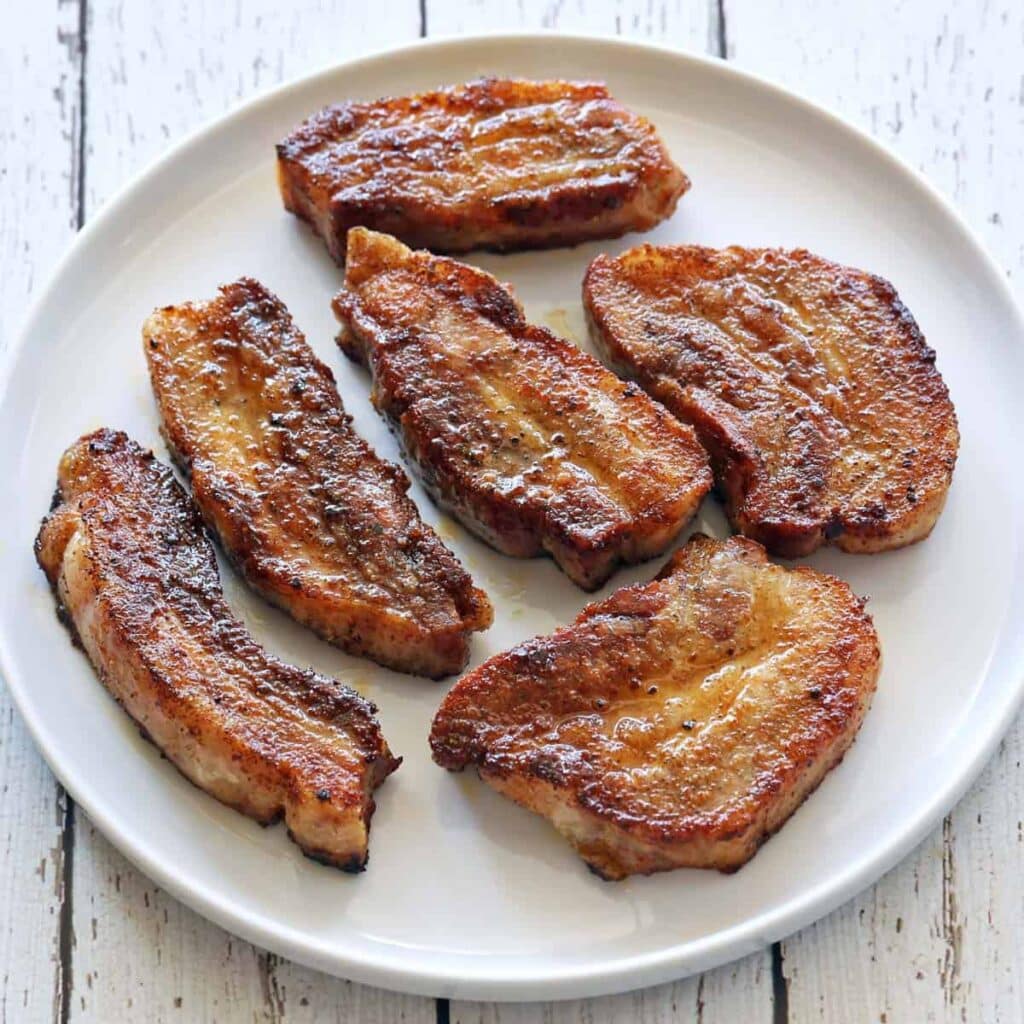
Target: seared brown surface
<point>497,164</point>
<point>532,443</point>
<point>808,382</point>
<point>133,571</point>
<point>317,523</point>
<point>676,724</point>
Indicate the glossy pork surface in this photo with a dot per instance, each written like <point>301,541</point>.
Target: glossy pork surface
<point>677,723</point>
<point>316,522</point>
<point>496,164</point>
<point>529,441</point>
<point>808,382</point>
<point>136,581</point>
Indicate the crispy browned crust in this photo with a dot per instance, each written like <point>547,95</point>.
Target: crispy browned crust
<point>678,723</point>
<point>135,576</point>
<point>530,442</point>
<point>316,522</point>
<point>496,164</point>
<point>809,383</point>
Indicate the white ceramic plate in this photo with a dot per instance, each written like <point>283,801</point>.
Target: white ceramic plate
<point>466,894</point>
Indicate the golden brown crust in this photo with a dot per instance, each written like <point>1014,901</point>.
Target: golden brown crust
<point>808,382</point>
<point>530,442</point>
<point>494,163</point>
<point>135,576</point>
<point>316,522</point>
<point>677,723</point>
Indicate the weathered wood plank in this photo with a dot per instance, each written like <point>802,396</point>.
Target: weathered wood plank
<point>143,956</point>
<point>684,23</point>
<point>153,73</point>
<point>736,992</point>
<point>40,113</point>
<point>742,991</point>
<point>940,937</point>
<point>157,71</point>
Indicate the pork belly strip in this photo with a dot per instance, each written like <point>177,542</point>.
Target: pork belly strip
<point>494,164</point>
<point>677,723</point>
<point>809,383</point>
<point>529,441</point>
<point>136,581</point>
<point>314,520</point>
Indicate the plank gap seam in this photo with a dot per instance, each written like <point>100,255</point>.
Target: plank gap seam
<point>83,18</point>
<point>65,934</point>
<point>780,987</point>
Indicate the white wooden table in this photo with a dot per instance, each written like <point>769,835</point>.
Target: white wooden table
<point>91,90</point>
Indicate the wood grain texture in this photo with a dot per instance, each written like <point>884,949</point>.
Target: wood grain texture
<point>40,61</point>
<point>157,70</point>
<point>142,956</point>
<point>153,72</point>
<point>939,938</point>
<point>689,24</point>
<point>740,991</point>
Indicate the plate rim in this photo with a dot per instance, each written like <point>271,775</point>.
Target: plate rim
<point>628,972</point>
